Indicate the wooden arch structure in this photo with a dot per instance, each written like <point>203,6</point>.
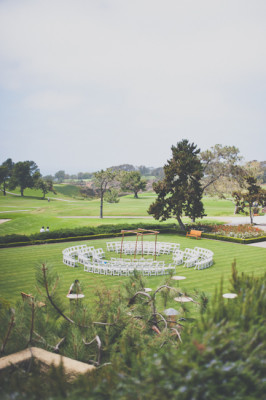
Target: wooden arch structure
<point>139,234</point>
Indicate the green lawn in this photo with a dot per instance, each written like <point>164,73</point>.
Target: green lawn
<point>18,265</point>
<point>27,214</point>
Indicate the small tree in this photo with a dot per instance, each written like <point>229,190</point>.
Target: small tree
<point>5,173</point>
<point>132,181</point>
<point>249,199</point>
<point>180,190</point>
<point>102,181</point>
<point>45,185</point>
<point>111,196</point>
<point>25,174</point>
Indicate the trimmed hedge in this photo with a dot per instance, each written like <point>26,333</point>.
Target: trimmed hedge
<point>78,234</point>
<point>105,231</point>
<point>233,239</point>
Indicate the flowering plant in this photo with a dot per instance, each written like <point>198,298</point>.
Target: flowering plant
<point>238,231</point>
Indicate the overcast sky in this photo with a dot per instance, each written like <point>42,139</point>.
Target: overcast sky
<point>87,84</point>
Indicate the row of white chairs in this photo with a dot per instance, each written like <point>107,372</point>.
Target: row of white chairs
<point>126,269</point>
<point>135,263</point>
<point>80,252</point>
<point>130,247</point>
<point>178,257</point>
<point>204,263</point>
<point>198,257</point>
<point>75,250</point>
<point>69,260</point>
<point>203,253</point>
<point>98,254</point>
<point>93,261</point>
<point>85,254</point>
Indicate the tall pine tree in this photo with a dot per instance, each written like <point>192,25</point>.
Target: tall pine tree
<point>180,192</point>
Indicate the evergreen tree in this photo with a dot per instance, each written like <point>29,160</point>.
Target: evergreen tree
<point>25,174</point>
<point>132,181</point>
<point>5,173</point>
<point>180,191</point>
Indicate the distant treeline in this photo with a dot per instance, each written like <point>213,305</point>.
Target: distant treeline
<point>61,176</point>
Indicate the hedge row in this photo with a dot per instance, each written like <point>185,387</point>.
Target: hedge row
<point>105,231</point>
<point>84,233</point>
<point>234,239</point>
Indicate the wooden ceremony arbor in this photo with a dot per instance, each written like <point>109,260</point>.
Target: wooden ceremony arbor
<point>139,234</point>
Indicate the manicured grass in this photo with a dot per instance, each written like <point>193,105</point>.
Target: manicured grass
<point>217,207</point>
<point>18,265</point>
<point>29,213</point>
<point>66,190</point>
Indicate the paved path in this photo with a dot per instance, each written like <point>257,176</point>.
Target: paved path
<point>4,220</point>
<point>107,216</point>
<point>259,221</point>
<point>15,211</point>
<point>259,244</point>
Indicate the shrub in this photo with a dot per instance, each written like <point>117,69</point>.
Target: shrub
<point>112,196</point>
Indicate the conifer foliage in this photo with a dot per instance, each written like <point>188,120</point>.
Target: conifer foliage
<point>180,191</point>
<point>222,354</point>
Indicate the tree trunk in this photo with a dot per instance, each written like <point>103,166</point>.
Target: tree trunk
<point>251,215</point>
<point>135,195</point>
<point>182,226</point>
<point>101,206</point>
<point>22,192</point>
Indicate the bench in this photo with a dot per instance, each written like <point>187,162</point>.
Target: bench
<point>194,233</point>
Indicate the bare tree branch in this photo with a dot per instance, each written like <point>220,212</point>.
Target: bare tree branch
<point>177,333</point>
<point>10,326</point>
<point>60,312</point>
<point>54,348</point>
<point>162,319</point>
<point>131,301</point>
<point>44,269</point>
<point>99,346</point>
<point>164,286</point>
